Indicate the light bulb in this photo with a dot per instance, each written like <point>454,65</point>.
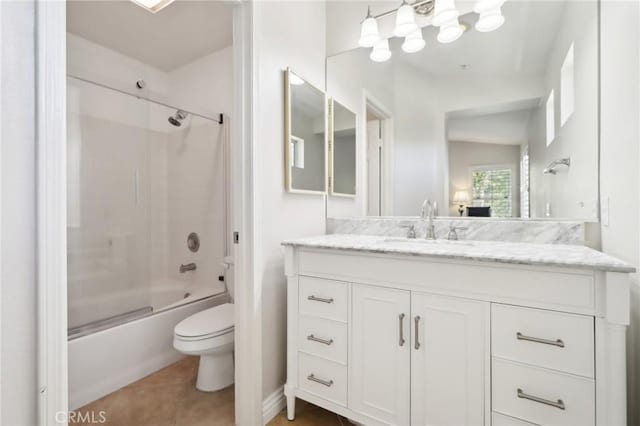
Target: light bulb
<point>369,34</point>
<point>490,20</point>
<point>405,21</point>
<point>444,11</point>
<point>450,32</point>
<point>381,52</point>
<point>414,42</point>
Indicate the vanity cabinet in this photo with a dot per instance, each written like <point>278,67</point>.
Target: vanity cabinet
<point>390,339</point>
<point>380,353</point>
<point>448,360</point>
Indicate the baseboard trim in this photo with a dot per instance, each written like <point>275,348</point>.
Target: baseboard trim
<point>272,405</point>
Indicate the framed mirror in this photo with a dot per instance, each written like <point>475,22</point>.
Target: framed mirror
<point>342,150</point>
<point>502,124</point>
<point>305,136</point>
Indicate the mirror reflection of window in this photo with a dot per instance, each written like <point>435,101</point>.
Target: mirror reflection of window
<point>492,187</point>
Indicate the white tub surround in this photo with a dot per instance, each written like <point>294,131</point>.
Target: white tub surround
<point>389,331</point>
<point>483,229</point>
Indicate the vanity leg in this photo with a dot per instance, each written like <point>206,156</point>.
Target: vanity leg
<point>291,402</point>
<point>291,407</point>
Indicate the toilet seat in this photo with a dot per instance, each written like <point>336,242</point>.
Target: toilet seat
<point>207,324</point>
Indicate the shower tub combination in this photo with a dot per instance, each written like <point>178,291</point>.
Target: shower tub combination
<point>144,180</point>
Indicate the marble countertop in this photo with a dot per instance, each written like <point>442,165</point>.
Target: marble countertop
<point>572,256</point>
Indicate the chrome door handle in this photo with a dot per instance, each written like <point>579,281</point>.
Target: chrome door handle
<point>558,404</point>
<point>400,321</point>
<point>319,299</point>
<point>319,340</point>
<point>559,343</point>
<point>322,382</point>
<point>416,322</point>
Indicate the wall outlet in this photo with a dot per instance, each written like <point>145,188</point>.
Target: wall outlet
<point>604,211</point>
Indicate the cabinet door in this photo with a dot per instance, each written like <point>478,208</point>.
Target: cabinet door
<point>449,359</point>
<point>379,369</point>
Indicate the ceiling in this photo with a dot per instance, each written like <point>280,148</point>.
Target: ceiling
<point>521,46</point>
<point>178,34</point>
<point>505,124</point>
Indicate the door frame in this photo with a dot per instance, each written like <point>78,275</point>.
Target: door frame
<point>50,25</point>
<point>369,101</point>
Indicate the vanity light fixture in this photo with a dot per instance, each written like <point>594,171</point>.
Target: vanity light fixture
<point>414,42</point>
<point>369,34</point>
<point>491,17</point>
<point>405,20</point>
<point>153,6</point>
<point>443,15</point>
<point>450,32</point>
<point>381,52</point>
<point>444,12</point>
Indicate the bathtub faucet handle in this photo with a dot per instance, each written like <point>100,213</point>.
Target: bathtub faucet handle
<point>188,267</point>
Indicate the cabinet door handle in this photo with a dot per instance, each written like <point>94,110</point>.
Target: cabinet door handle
<point>559,343</point>
<point>401,329</point>
<point>558,404</point>
<point>319,299</point>
<point>416,322</point>
<point>327,383</point>
<point>319,340</point>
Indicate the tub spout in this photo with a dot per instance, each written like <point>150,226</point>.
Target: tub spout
<point>187,267</point>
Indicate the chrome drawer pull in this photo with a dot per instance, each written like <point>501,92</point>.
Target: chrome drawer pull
<point>559,343</point>
<point>322,382</point>
<point>558,404</point>
<point>416,321</point>
<point>319,299</point>
<point>317,339</point>
<point>400,320</point>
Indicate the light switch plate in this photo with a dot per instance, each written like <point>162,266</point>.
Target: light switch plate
<point>604,211</point>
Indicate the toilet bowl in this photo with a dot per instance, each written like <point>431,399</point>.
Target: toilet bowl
<point>209,334</point>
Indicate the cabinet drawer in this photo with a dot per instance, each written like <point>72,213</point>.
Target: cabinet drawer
<point>324,378</point>
<point>323,298</point>
<point>322,337</point>
<point>542,396</point>
<point>498,419</point>
<point>548,339</point>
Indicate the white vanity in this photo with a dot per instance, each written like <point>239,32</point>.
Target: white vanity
<point>392,331</point>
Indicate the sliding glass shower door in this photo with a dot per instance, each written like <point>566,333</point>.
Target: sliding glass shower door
<point>110,150</point>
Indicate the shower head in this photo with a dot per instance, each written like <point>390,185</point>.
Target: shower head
<point>176,119</point>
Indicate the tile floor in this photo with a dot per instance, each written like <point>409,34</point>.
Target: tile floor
<point>169,398</point>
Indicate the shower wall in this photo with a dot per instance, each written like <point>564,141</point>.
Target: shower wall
<point>144,185</point>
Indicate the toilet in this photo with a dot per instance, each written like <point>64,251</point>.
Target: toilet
<point>209,334</point>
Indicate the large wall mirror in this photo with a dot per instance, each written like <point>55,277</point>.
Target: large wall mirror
<point>305,136</point>
<point>501,123</point>
<point>342,150</point>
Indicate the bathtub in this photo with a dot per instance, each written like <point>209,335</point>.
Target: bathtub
<point>104,361</point>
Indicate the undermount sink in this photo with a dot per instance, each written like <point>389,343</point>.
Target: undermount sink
<point>442,243</point>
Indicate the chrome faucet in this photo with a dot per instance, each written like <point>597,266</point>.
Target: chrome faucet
<point>428,212</point>
<point>453,234</point>
<point>188,267</point>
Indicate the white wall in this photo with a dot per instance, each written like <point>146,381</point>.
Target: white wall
<point>620,156</point>
<point>288,34</point>
<point>18,393</point>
